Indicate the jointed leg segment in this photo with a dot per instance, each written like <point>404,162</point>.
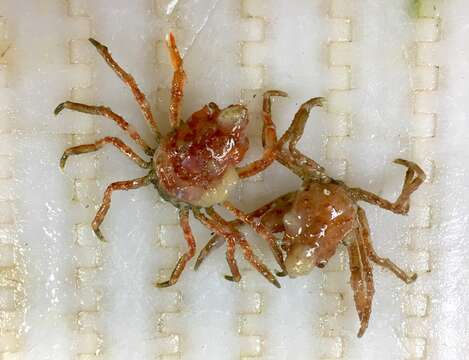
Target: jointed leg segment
<point>118,143</point>
<point>269,138</point>
<point>234,236</point>
<point>177,87</point>
<point>130,82</point>
<point>383,262</point>
<point>413,179</point>
<point>108,113</point>
<point>300,164</point>
<point>184,259</point>
<point>120,185</point>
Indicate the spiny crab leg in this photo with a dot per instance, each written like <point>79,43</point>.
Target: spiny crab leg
<point>131,83</point>
<point>413,179</point>
<point>303,166</point>
<point>262,231</point>
<point>184,259</point>
<point>108,113</point>
<point>269,138</point>
<point>177,87</point>
<point>119,185</point>
<point>361,280</point>
<point>243,243</point>
<point>118,143</point>
<point>222,232</point>
<point>383,262</point>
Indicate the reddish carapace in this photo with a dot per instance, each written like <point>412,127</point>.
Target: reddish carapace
<point>194,166</point>
<point>323,214</point>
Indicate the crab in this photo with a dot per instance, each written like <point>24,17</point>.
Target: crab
<point>324,213</point>
<point>194,166</point>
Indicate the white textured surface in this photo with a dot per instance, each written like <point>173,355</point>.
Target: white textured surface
<point>395,75</point>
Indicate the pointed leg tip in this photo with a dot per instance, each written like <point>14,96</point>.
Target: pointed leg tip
<point>59,108</point>
<point>412,278</point>
<point>94,42</point>
<point>276,284</point>
<point>164,284</point>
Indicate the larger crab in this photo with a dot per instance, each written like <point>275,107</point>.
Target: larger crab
<point>323,214</point>
<point>194,166</point>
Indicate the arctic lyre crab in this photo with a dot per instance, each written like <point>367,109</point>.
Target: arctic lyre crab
<point>324,213</point>
<point>194,166</point>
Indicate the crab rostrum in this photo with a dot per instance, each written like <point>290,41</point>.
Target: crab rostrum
<point>323,214</point>
<point>194,166</point>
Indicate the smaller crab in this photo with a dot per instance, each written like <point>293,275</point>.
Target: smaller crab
<point>194,166</point>
<point>325,213</point>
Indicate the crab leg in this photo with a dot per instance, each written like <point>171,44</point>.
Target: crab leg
<point>177,87</point>
<point>300,164</point>
<point>108,113</point>
<point>270,209</point>
<point>118,143</point>
<point>184,259</point>
<point>269,138</point>
<point>261,230</point>
<point>119,185</point>
<point>361,280</point>
<point>247,250</point>
<point>413,179</point>
<point>221,231</point>
<point>383,262</point>
<point>130,82</point>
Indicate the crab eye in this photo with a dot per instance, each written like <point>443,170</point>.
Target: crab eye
<point>233,118</point>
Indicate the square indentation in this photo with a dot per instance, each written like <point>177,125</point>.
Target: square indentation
<point>415,347</point>
<point>9,342</point>
<point>428,29</point>
<point>167,346</point>
<point>88,342</point>
<point>6,212</point>
<point>340,53</point>
<point>425,77</point>
<point>340,8</point>
<point>252,29</point>
<point>250,346</point>
<point>423,125</point>
<point>81,51</point>
<point>416,305</point>
<point>7,299</point>
<point>331,347</point>
<point>253,7</point>
<point>340,29</point>
<point>420,216</point>
<point>253,54</point>
<point>251,303</point>
<point>7,255</point>
<point>87,320</point>
<point>252,77</point>
<point>6,168</point>
<point>339,78</point>
<point>77,7</point>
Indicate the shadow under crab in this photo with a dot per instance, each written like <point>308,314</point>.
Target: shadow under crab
<point>194,166</point>
<point>323,214</point>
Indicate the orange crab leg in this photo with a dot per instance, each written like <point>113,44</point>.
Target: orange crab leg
<point>177,87</point>
<point>131,83</point>
<point>269,139</point>
<point>108,113</point>
<point>383,262</point>
<point>261,230</point>
<point>118,143</point>
<point>185,258</point>
<point>119,185</point>
<point>413,179</point>
<point>361,280</point>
